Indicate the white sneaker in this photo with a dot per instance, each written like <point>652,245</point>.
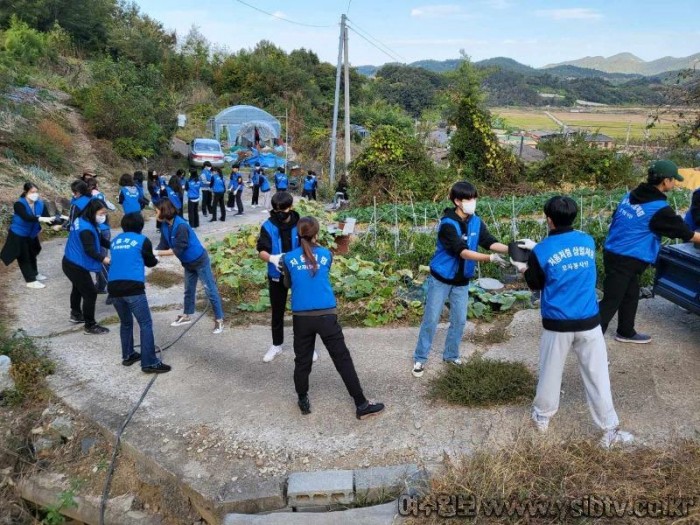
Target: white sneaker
<point>181,320</point>
<point>218,326</point>
<point>36,285</point>
<point>541,422</point>
<point>616,437</point>
<point>272,353</point>
<point>418,369</point>
<point>457,361</point>
<point>315,356</point>
<point>41,277</point>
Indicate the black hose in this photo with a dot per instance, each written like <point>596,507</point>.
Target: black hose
<point>117,442</point>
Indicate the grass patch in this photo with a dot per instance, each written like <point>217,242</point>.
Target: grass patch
<point>548,470</point>
<point>30,365</point>
<point>482,382</point>
<point>164,278</point>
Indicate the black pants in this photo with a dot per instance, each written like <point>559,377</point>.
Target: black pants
<point>620,292</point>
<point>231,201</point>
<point>305,330</point>
<point>206,202</point>
<point>239,201</point>
<point>218,200</point>
<point>256,194</point>
<point>193,213</point>
<point>83,289</point>
<point>26,259</point>
<point>278,302</point>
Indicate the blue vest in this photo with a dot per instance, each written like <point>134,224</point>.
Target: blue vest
<point>255,178</point>
<point>309,184</point>
<point>445,263</point>
<point>689,216</point>
<point>276,238</point>
<point>264,184</point>
<point>568,262</point>
<point>310,291</point>
<point>139,188</point>
<point>281,181</point>
<point>74,247</point>
<point>219,184</point>
<point>194,249</point>
<point>23,228</point>
<point>193,187</point>
<point>207,174</point>
<point>174,197</point>
<point>127,259</point>
<point>80,204</point>
<point>236,184</point>
<point>130,198</point>
<point>629,230</point>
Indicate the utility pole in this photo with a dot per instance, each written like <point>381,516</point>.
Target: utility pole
<point>627,139</point>
<point>286,140</point>
<point>346,95</point>
<point>334,132</point>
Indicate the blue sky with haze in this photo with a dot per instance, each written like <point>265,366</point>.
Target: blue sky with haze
<point>536,32</point>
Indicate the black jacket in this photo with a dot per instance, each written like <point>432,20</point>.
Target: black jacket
<point>265,242</point>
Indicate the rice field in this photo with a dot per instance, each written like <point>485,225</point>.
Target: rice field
<point>610,121</point>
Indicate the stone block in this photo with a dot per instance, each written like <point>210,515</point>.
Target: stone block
<point>324,487</point>
<point>376,483</point>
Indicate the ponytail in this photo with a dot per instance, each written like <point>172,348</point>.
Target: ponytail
<point>308,229</point>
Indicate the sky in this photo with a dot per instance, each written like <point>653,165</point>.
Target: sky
<point>536,32</point>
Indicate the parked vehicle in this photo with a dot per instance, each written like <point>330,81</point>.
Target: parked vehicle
<point>202,150</point>
<point>678,275</point>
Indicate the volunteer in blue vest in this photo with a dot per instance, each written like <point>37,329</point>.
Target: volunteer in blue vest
<point>308,189</point>
<point>255,180</point>
<point>264,191</point>
<point>278,235</point>
<point>563,267</point>
<point>633,243</point>
<point>692,216</point>
<point>173,192</point>
<point>131,252</point>
<point>218,191</point>
<point>178,238</point>
<point>281,180</point>
<point>236,189</point>
<point>232,183</point>
<point>105,231</point>
<point>129,196</point>
<point>81,198</point>
<point>460,234</point>
<point>193,187</point>
<point>83,255</point>
<point>307,272</point>
<point>22,243</point>
<point>205,179</point>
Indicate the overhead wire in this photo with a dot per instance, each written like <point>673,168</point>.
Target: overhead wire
<point>273,15</point>
<point>387,49</point>
<point>394,58</point>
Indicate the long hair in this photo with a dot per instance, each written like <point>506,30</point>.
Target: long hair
<point>28,186</point>
<point>308,229</point>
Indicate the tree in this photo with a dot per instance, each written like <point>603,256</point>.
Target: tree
<point>474,148</point>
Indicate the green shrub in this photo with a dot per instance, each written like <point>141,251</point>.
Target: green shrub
<point>24,44</point>
<point>482,382</point>
<point>30,364</point>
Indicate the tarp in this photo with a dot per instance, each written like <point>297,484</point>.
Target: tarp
<point>691,178</point>
<point>266,160</point>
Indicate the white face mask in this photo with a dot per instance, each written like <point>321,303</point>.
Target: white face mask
<point>469,207</point>
<point>33,196</point>
<point>100,219</point>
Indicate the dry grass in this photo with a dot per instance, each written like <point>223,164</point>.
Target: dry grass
<point>164,278</point>
<point>54,133</point>
<point>536,469</point>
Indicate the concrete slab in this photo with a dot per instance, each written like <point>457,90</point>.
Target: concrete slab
<point>320,488</point>
<point>376,483</point>
<point>378,515</point>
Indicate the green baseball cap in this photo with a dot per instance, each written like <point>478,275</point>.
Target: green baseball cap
<point>665,169</point>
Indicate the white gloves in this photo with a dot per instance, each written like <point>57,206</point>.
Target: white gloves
<point>275,260</point>
<point>47,220</point>
<point>495,258</point>
<point>527,244</point>
<point>521,266</point>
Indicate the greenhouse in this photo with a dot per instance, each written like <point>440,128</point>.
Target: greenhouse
<point>246,126</point>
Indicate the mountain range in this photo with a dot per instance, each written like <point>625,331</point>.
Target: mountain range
<point>617,68</point>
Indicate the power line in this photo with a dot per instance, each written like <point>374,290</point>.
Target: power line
<point>392,57</point>
<point>387,49</point>
<point>347,10</point>
<point>280,17</point>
